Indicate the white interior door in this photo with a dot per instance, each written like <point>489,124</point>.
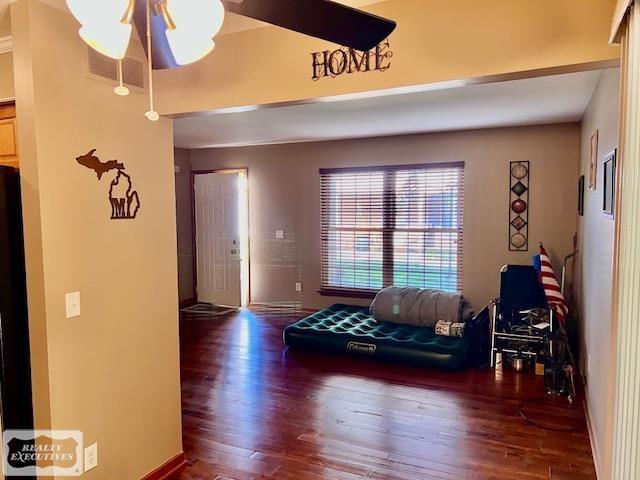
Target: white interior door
<point>217,238</point>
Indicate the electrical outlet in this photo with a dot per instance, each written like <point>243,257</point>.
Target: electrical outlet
<point>91,457</point>
<point>280,234</point>
<point>298,287</point>
<point>72,301</point>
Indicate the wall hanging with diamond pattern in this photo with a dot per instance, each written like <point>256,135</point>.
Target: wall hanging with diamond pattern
<point>519,206</point>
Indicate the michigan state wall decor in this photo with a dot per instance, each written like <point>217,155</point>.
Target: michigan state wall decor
<point>519,206</point>
<point>124,201</point>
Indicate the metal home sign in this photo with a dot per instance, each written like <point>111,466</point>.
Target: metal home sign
<point>347,60</point>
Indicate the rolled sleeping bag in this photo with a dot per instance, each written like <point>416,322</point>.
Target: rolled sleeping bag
<point>422,307</point>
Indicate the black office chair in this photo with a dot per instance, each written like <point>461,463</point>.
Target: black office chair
<point>520,289</point>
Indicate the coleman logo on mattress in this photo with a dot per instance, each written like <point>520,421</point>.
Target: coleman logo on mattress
<point>361,347</point>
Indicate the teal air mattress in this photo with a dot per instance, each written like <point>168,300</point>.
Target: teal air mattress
<point>351,329</point>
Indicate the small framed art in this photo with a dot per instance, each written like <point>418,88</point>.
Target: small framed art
<point>593,160</point>
<point>609,190</point>
<point>581,195</point>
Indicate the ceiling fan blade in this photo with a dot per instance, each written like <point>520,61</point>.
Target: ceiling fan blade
<point>324,19</point>
<point>161,54</point>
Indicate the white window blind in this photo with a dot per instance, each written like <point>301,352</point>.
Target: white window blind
<point>386,226</point>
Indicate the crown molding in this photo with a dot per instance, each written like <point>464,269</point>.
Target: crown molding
<point>6,44</point>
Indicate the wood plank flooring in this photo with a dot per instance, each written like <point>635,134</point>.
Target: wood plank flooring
<point>253,409</point>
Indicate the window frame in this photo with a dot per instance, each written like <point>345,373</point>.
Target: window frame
<point>388,228</point>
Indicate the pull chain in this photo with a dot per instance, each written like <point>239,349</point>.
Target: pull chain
<point>151,114</point>
<point>121,89</point>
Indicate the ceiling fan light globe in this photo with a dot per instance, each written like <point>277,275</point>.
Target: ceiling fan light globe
<point>203,17</point>
<point>110,40</point>
<point>80,10</point>
<point>188,48</point>
<point>99,11</point>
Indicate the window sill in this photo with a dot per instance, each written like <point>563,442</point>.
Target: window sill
<point>338,292</point>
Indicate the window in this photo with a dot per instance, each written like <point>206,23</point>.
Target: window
<point>386,226</point>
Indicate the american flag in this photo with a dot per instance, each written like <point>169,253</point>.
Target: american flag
<point>551,287</point>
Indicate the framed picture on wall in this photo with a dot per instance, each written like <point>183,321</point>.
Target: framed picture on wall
<point>593,160</point>
<point>581,195</point>
<point>609,190</point>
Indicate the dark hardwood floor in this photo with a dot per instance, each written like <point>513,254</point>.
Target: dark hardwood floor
<point>254,410</point>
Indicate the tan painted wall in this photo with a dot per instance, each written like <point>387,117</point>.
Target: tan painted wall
<point>284,193</point>
<point>184,224</point>
<point>5,23</point>
<point>596,260</point>
<point>6,59</point>
<point>435,41</point>
<point>114,371</point>
<point>6,76</point>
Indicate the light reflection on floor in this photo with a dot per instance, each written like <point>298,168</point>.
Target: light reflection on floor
<point>380,428</point>
<point>243,367</point>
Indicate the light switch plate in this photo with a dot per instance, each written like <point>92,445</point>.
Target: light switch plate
<point>176,169</point>
<point>91,457</point>
<point>280,234</point>
<point>73,304</point>
<point>298,287</point>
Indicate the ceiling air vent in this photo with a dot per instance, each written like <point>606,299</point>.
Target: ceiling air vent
<point>132,73</point>
<point>107,68</point>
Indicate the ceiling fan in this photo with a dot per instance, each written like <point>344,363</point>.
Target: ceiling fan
<point>182,31</point>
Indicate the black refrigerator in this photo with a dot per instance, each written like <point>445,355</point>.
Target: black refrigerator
<point>15,371</point>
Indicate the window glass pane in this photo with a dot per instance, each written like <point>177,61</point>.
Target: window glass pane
<point>425,260</point>
<point>354,259</point>
<point>407,235</point>
<point>356,200</point>
<point>352,224</point>
<point>428,228</point>
<point>428,198</point>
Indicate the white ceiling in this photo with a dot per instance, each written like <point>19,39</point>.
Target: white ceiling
<point>551,99</point>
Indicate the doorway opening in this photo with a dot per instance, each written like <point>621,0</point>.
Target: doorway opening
<point>221,237</point>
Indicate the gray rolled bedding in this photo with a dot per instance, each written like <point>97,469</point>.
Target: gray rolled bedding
<point>422,307</point>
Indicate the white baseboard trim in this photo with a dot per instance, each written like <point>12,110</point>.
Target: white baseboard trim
<point>595,449</point>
